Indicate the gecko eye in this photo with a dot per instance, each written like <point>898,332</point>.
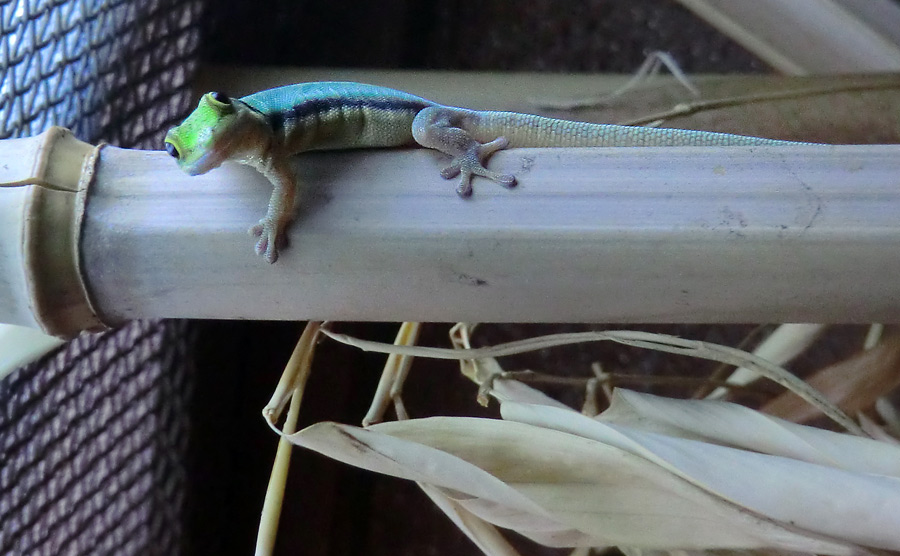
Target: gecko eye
<point>220,97</point>
<point>172,150</point>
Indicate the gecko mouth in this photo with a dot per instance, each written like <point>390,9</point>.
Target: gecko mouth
<point>199,165</point>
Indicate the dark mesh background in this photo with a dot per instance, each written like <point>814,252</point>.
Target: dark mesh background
<point>104,449</point>
<point>92,445</point>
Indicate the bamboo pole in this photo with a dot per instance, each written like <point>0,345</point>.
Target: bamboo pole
<point>803,233</point>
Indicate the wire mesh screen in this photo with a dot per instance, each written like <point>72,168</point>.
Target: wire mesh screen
<point>116,70</point>
<point>93,439</point>
<point>92,445</point>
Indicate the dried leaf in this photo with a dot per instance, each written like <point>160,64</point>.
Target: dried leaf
<point>730,424</point>
<point>564,489</point>
<point>485,536</point>
<point>853,384</point>
<point>389,448</point>
<point>784,490</point>
<point>781,346</point>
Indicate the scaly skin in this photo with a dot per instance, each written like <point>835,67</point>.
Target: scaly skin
<point>266,128</point>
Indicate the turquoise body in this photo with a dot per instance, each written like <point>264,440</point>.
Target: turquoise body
<point>338,115</point>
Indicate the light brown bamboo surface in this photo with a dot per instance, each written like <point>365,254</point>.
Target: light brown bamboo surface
<point>806,233</point>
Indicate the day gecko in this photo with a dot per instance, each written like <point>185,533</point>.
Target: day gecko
<point>266,128</point>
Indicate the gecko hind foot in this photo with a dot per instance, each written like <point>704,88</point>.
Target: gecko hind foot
<point>270,240</point>
<point>471,164</point>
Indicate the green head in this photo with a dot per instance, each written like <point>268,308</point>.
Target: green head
<point>208,136</point>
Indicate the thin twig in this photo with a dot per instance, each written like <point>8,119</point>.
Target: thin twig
<point>647,340</point>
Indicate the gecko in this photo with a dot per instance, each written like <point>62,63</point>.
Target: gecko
<point>266,129</point>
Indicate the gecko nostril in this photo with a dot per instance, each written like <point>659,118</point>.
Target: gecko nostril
<point>172,150</point>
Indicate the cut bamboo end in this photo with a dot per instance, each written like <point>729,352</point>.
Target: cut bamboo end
<point>43,188</point>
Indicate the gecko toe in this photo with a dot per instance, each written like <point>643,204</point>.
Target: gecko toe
<point>489,148</point>
<point>267,249</point>
<point>262,245</point>
<point>450,172</point>
<point>464,189</point>
<point>270,240</point>
<point>506,180</point>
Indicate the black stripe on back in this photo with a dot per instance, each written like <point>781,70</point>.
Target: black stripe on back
<point>276,121</point>
<point>308,107</point>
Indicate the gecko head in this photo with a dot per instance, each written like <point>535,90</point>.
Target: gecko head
<point>206,138</point>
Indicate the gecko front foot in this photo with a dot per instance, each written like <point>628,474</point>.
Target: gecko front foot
<point>270,237</point>
<point>472,164</point>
